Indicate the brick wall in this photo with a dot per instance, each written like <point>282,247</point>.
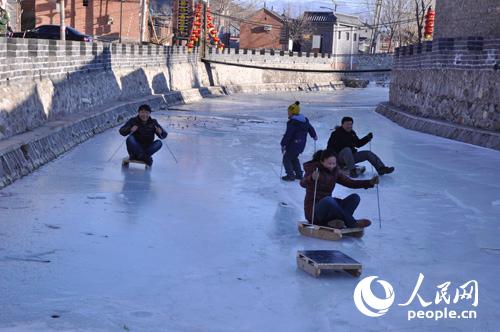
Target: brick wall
<point>98,18</point>
<point>43,80</point>
<point>253,35</point>
<point>31,59</point>
<point>303,60</point>
<point>458,18</point>
<point>454,80</point>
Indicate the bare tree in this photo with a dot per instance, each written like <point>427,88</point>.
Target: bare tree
<point>298,28</point>
<point>229,13</point>
<point>421,7</point>
<point>402,21</point>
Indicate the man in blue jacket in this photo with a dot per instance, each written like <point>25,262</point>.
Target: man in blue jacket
<point>294,142</point>
<point>141,130</point>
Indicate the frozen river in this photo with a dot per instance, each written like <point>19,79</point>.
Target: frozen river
<point>209,244</point>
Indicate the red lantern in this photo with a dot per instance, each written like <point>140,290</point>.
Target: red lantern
<point>429,23</point>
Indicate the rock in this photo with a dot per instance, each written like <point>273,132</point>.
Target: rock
<point>355,83</point>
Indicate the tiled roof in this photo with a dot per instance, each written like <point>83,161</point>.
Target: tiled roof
<point>320,17</point>
<point>330,17</point>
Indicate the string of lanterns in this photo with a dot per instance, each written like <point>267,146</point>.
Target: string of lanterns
<point>196,30</point>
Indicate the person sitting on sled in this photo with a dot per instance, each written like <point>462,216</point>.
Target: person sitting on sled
<point>344,142</point>
<point>294,142</point>
<point>330,211</point>
<point>141,131</point>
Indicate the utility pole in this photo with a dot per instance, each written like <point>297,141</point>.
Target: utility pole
<point>378,10</point>
<point>121,19</point>
<point>143,20</point>
<point>63,26</point>
<point>204,32</point>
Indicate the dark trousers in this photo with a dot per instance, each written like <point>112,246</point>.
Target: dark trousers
<point>330,208</point>
<point>349,159</point>
<point>138,152</point>
<point>292,164</point>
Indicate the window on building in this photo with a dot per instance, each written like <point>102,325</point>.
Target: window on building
<point>347,35</point>
<point>85,3</point>
<point>340,34</point>
<point>355,36</point>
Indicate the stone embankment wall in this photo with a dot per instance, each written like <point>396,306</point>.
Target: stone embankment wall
<point>455,81</point>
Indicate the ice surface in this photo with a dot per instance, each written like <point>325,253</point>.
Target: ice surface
<point>209,244</point>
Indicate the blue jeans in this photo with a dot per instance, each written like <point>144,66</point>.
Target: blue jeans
<point>292,164</point>
<point>330,208</point>
<point>136,151</point>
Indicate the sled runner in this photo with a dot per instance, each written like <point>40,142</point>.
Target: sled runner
<point>328,233</point>
<point>315,261</point>
<point>127,161</point>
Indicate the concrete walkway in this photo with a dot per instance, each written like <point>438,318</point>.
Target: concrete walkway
<point>209,244</point>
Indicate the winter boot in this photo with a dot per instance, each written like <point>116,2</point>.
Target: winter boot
<point>385,170</point>
<point>362,223</point>
<point>288,178</point>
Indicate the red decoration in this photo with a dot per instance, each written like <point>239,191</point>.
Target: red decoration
<point>429,23</point>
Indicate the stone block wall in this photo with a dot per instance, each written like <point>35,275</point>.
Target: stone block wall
<point>46,80</point>
<point>450,79</point>
<point>303,60</point>
<point>42,80</point>
<point>457,18</point>
<point>233,74</point>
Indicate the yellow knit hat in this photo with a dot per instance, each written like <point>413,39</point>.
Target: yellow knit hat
<point>294,109</point>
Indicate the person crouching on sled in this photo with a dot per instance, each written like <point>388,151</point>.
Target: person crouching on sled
<point>330,211</point>
<point>141,131</point>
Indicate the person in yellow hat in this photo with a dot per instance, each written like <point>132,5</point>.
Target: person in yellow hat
<point>294,142</point>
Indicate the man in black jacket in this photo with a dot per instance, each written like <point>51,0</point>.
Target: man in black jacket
<point>141,130</point>
<point>344,142</point>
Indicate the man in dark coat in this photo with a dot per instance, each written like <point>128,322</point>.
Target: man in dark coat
<point>344,142</point>
<point>294,142</point>
<point>141,132</point>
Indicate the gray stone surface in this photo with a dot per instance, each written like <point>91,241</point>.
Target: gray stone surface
<point>355,83</point>
<point>45,80</point>
<point>446,129</point>
<point>451,79</point>
<point>456,18</point>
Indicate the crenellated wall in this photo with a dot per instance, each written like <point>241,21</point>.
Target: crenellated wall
<point>43,80</point>
<point>448,87</point>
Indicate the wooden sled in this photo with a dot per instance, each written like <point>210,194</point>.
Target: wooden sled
<point>315,261</point>
<point>328,233</point>
<point>127,161</point>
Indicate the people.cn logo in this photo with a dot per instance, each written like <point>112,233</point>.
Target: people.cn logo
<point>367,303</point>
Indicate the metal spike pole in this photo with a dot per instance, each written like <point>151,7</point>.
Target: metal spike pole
<point>378,196</point>
<point>314,197</point>
<point>116,151</point>
<point>171,153</point>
